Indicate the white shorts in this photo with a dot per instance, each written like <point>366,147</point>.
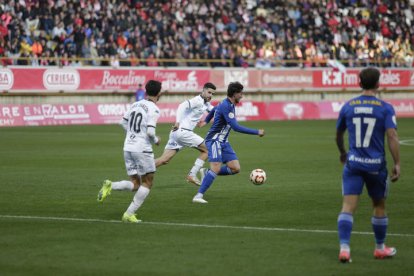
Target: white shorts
<point>183,138</point>
<point>139,163</point>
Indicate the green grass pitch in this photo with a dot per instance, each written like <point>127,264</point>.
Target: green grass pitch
<point>51,224</point>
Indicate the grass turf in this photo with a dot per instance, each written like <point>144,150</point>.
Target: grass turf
<point>56,172</point>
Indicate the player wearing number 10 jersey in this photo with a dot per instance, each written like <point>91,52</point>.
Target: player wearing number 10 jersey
<point>368,120</point>
<point>139,122</point>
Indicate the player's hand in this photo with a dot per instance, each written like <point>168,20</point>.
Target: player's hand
<point>395,173</point>
<point>159,141</point>
<point>175,126</point>
<point>261,132</point>
<point>342,157</point>
<point>201,124</point>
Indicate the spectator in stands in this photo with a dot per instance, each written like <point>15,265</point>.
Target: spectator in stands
<point>298,32</point>
<point>140,93</point>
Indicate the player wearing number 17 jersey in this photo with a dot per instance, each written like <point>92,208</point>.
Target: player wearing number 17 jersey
<point>139,123</point>
<point>368,120</point>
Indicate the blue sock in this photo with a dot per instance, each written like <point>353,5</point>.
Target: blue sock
<point>224,170</point>
<point>207,181</point>
<point>379,225</point>
<point>345,222</point>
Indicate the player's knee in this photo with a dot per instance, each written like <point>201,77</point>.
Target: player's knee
<point>235,170</point>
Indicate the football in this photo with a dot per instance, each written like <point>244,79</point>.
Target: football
<point>258,177</point>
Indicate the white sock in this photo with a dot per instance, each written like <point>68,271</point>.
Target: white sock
<point>345,247</point>
<point>198,164</point>
<point>379,246</point>
<point>199,195</point>
<point>122,185</point>
<point>138,199</point>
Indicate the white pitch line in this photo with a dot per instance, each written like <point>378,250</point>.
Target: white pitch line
<point>200,225</point>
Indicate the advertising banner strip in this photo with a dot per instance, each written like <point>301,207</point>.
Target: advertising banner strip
<point>85,114</point>
<point>16,79</point>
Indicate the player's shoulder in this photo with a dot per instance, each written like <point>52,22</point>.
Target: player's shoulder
<point>197,100</point>
<point>152,106</point>
<point>225,104</point>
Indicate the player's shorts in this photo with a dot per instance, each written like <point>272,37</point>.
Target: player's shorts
<point>377,182</point>
<point>220,152</point>
<point>140,163</point>
<point>183,138</point>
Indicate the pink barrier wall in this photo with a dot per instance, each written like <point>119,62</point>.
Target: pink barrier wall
<point>95,79</point>
<point>72,114</point>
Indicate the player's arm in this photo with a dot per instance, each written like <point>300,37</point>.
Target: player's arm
<point>152,123</point>
<point>124,120</point>
<point>242,129</point>
<point>182,107</point>
<point>341,145</point>
<point>124,123</point>
<point>340,133</point>
<point>210,115</point>
<point>152,136</point>
<point>394,147</point>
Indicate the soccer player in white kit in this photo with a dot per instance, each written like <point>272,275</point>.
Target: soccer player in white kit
<point>189,114</point>
<point>139,123</point>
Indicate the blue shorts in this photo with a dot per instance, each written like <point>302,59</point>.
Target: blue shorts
<point>220,152</point>
<point>376,182</point>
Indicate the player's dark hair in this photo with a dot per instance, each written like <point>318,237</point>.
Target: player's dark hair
<point>369,78</point>
<point>208,85</point>
<point>233,88</point>
<point>153,87</point>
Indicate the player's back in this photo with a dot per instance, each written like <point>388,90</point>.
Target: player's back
<point>366,118</point>
<point>140,116</point>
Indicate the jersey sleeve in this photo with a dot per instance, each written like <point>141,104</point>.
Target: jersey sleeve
<point>124,121</point>
<point>390,118</point>
<point>153,117</point>
<point>181,110</point>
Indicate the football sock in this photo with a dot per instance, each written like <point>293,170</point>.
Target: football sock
<point>122,185</point>
<point>224,170</point>
<point>139,198</point>
<point>345,222</point>
<point>198,164</point>
<point>379,226</point>
<point>207,181</point>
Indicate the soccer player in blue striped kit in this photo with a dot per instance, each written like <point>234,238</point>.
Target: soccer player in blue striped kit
<point>368,120</point>
<point>219,149</point>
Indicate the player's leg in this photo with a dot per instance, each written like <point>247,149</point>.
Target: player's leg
<point>171,148</point>
<point>352,185</point>
<point>132,171</point>
<point>215,159</point>
<point>232,164</point>
<point>146,162</point>
<point>377,186</point>
<point>198,164</point>
<point>186,138</point>
<point>166,156</point>
<point>122,185</point>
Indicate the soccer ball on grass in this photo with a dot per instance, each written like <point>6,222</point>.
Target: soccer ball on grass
<point>258,176</point>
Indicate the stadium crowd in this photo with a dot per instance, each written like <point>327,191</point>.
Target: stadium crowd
<point>242,33</point>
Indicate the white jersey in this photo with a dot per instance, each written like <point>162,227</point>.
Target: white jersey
<point>189,113</point>
<point>140,122</point>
